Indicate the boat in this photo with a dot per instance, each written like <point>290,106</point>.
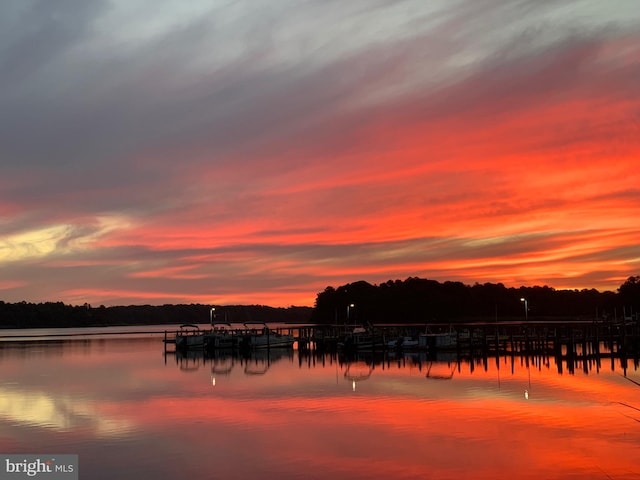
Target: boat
<point>264,337</point>
<point>438,340</point>
<point>222,336</point>
<point>361,338</point>
<point>189,336</point>
<point>403,343</point>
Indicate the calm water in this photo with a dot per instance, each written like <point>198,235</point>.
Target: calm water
<point>129,412</point>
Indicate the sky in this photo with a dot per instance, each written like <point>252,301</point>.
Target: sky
<point>259,151</point>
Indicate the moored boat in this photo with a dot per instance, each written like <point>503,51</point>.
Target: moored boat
<point>361,338</point>
<point>222,336</point>
<point>438,340</point>
<point>403,343</point>
<point>189,336</point>
<point>265,337</point>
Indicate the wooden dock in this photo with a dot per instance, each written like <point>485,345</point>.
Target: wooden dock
<point>532,337</point>
<point>575,345</point>
<point>570,346</point>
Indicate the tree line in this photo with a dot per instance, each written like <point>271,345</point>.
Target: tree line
<point>414,300</point>
<point>57,314</point>
<point>419,300</point>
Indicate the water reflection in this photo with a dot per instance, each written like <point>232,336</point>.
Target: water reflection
<point>122,404</point>
<point>440,373</point>
<point>58,412</point>
<point>357,371</point>
<point>222,363</point>
<point>359,367</point>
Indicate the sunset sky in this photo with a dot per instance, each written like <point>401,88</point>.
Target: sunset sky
<point>258,151</point>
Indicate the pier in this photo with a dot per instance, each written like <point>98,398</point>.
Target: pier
<point>434,364</point>
<point>497,336</point>
<point>576,339</point>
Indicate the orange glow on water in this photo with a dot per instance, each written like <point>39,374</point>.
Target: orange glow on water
<point>406,418</point>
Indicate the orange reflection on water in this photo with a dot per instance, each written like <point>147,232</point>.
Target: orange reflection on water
<point>398,423</point>
<point>300,417</point>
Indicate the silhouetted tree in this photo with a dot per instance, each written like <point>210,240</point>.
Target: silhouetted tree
<point>419,300</point>
<point>629,293</point>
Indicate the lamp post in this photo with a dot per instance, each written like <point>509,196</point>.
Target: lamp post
<point>526,308</point>
<point>212,315</point>
<point>349,306</point>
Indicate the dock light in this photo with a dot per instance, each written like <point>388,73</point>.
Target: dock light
<point>349,307</point>
<point>526,308</point>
